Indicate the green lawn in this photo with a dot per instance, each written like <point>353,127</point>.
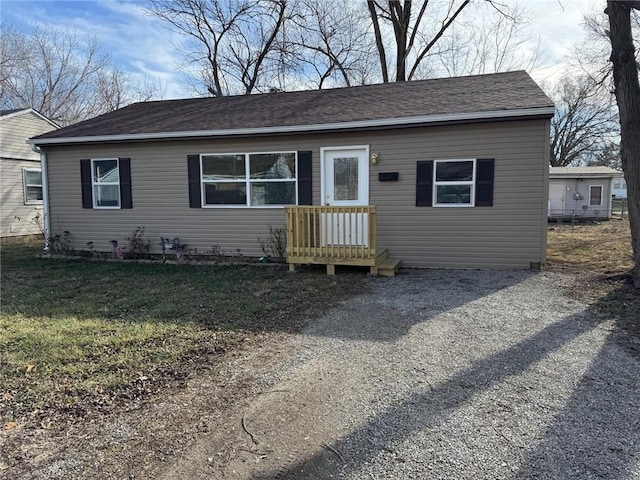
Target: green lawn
<point>77,335</point>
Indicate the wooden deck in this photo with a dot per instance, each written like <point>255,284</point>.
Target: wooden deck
<point>333,236</point>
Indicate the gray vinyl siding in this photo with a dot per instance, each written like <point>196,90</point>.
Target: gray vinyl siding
<point>509,234</point>
<point>17,218</point>
<point>576,198</point>
<point>14,132</point>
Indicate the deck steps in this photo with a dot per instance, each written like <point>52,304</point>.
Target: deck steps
<point>389,267</point>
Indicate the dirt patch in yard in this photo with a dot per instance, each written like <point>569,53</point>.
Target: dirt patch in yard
<point>599,257</point>
<point>143,437</point>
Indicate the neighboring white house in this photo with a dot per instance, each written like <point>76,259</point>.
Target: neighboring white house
<point>20,175</point>
<point>581,193</point>
<point>619,187</point>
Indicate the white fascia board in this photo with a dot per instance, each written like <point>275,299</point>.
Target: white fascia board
<point>566,176</point>
<point>386,122</point>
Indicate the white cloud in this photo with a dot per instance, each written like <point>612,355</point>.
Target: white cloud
<point>138,42</point>
<point>560,26</point>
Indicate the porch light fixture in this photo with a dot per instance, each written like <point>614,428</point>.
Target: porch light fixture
<point>374,158</point>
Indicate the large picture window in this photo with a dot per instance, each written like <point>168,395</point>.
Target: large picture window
<point>454,183</point>
<point>105,179</point>
<point>32,179</point>
<point>248,179</point>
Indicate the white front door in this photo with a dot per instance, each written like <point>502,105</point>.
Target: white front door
<point>345,183</point>
<point>345,180</point>
<point>556,198</point>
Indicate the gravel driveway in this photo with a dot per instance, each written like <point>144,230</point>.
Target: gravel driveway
<point>446,375</point>
<point>434,374</point>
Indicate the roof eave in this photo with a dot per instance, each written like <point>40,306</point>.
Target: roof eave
<point>585,175</point>
<point>378,123</point>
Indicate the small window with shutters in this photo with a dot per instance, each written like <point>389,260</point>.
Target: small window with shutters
<point>455,183</point>
<point>105,180</point>
<point>106,183</point>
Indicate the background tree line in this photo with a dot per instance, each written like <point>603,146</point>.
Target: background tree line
<point>63,76</point>
<point>586,129</point>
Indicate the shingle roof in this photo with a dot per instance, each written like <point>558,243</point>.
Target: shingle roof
<point>402,100</point>
<point>583,172</point>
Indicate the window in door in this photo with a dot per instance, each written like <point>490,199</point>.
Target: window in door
<point>345,178</point>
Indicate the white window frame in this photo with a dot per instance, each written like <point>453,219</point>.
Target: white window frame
<point>601,195</point>
<point>471,183</point>
<point>94,184</point>
<point>25,186</point>
<point>247,181</point>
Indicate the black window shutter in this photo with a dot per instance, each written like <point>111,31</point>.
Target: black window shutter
<point>305,179</point>
<point>124,166</point>
<point>195,197</point>
<point>484,182</point>
<point>424,184</point>
<point>85,181</point>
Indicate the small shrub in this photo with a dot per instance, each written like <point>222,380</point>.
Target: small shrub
<point>275,245</point>
<point>60,243</point>
<point>216,253</point>
<point>138,244</point>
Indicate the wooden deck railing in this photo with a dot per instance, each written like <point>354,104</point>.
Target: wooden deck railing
<point>316,234</point>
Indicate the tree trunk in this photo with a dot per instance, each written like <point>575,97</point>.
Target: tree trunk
<point>627,89</point>
<point>379,43</point>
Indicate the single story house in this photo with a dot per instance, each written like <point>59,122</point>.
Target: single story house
<point>581,193</point>
<point>445,172</point>
<point>20,177</point>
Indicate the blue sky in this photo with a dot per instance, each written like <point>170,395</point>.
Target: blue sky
<point>140,43</point>
<point>145,47</point>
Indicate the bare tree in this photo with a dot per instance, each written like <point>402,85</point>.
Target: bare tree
<point>246,46</point>
<point>584,122</point>
<point>13,52</point>
<point>627,90</point>
<point>591,55</point>
<point>234,42</point>
<point>417,28</point>
<point>62,77</point>
<point>487,44</point>
<point>607,156</point>
<point>331,42</point>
